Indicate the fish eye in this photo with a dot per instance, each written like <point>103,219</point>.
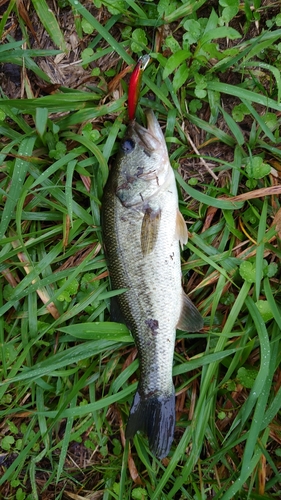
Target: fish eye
<point>128,145</point>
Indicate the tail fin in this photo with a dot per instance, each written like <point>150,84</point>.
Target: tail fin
<point>155,416</point>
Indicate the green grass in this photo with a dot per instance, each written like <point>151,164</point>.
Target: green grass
<point>68,374</point>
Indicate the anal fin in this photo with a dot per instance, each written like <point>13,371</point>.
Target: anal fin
<point>190,318</point>
<point>181,229</point>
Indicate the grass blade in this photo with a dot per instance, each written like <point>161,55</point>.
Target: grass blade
<point>207,200</point>
<point>18,178</point>
<point>50,23</point>
<point>244,94</point>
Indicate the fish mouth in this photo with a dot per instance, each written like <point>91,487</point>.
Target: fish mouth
<point>153,125</point>
<point>151,137</point>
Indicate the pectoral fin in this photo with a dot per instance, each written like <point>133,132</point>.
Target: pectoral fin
<point>181,229</point>
<point>190,319</point>
<point>149,230</point>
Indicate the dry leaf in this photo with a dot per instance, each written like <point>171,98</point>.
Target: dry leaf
<point>41,292</point>
<point>133,470</point>
<point>262,475</point>
<point>209,217</point>
<point>257,193</point>
<point>25,17</point>
<point>89,496</point>
<point>277,222</point>
<point>113,84</point>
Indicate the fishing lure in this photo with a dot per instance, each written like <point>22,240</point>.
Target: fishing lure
<point>134,85</point>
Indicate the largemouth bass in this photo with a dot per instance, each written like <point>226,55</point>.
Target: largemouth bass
<point>142,229</point>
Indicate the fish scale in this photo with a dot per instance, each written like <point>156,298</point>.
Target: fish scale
<point>142,228</point>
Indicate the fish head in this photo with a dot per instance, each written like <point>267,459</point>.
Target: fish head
<point>143,160</point>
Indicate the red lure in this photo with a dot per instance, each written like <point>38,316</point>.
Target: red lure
<point>134,85</point>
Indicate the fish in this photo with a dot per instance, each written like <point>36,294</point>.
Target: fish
<point>142,231</point>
